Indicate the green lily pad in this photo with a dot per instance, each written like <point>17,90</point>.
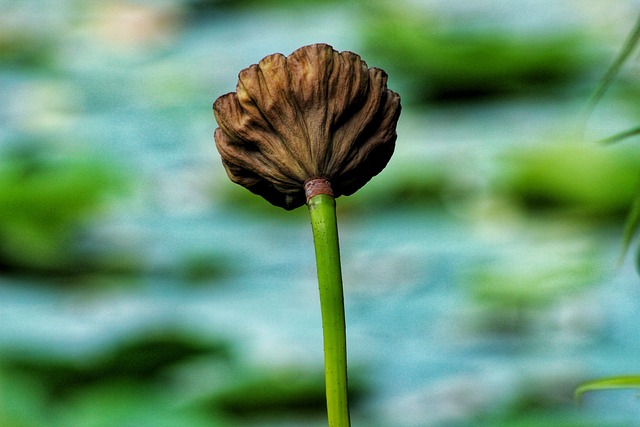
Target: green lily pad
<point>442,60</point>
<point>589,180</point>
<point>126,404</point>
<point>278,392</point>
<point>140,359</point>
<point>48,194</point>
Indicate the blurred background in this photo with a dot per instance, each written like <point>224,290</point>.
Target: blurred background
<point>140,287</point>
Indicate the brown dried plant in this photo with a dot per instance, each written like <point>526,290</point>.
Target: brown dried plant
<point>315,114</point>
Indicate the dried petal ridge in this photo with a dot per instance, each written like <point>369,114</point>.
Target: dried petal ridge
<point>316,113</point>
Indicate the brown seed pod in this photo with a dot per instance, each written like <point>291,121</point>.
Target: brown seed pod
<point>315,114</point>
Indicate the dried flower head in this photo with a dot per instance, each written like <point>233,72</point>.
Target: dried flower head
<point>315,114</point>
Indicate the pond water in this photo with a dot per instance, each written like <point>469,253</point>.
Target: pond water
<point>457,311</point>
<point>422,343</point>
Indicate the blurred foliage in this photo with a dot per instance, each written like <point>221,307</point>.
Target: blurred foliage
<point>280,391</point>
<point>586,179</point>
<point>405,184</point>
<point>25,50</point>
<point>288,391</point>
<point>522,287</point>
<point>402,183</point>
<point>128,385</point>
<point>512,296</point>
<point>547,418</point>
<point>444,61</point>
<point>139,359</point>
<point>199,6</point>
<point>544,398</point>
<point>126,404</point>
<point>238,199</point>
<point>141,381</point>
<point>547,391</point>
<point>47,194</point>
<point>201,267</point>
<point>25,45</point>
<point>22,400</point>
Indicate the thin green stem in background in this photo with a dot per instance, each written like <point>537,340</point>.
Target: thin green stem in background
<point>627,49</point>
<point>322,209</point>
<point>610,383</point>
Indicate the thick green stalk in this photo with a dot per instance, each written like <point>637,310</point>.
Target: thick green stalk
<point>322,209</point>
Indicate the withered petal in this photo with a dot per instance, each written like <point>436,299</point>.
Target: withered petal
<point>317,113</point>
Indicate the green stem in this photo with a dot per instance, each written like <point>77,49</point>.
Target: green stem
<point>322,209</point>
